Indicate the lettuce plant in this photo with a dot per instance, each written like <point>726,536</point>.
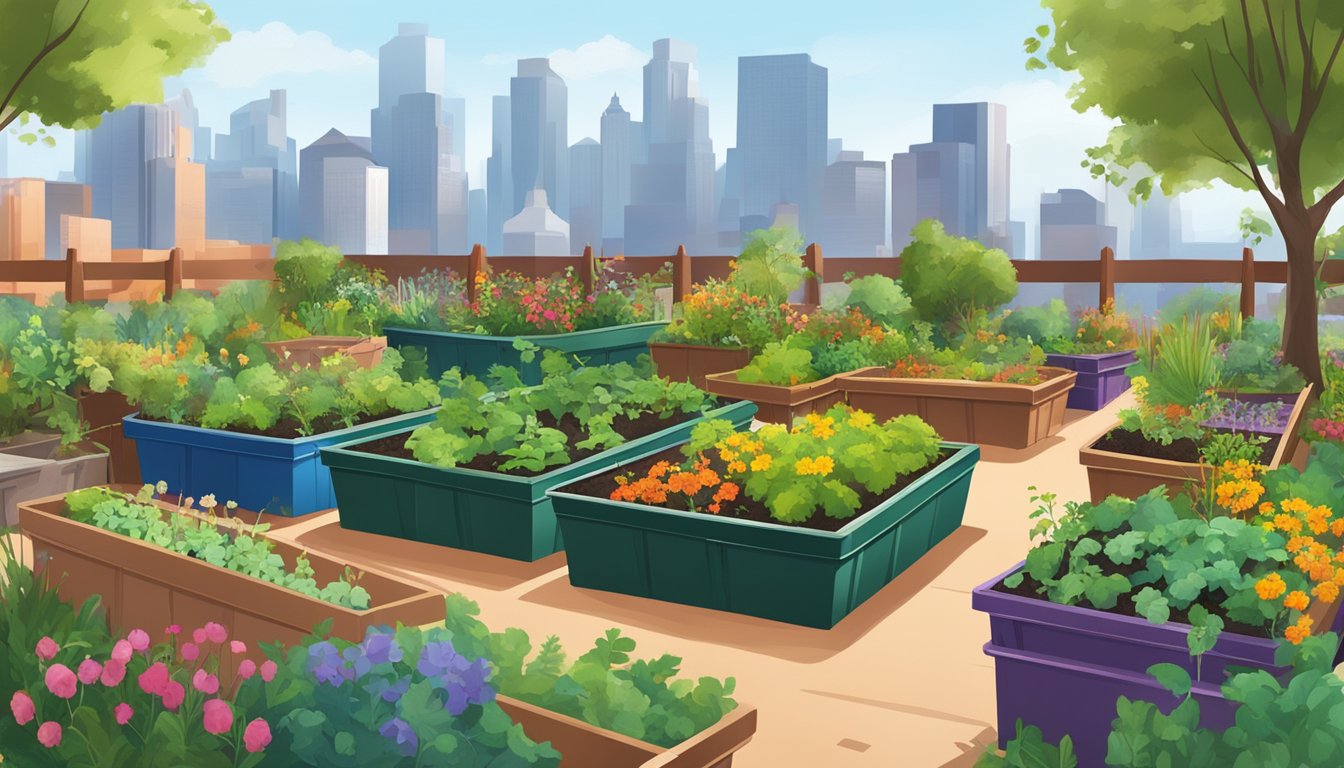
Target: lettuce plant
<point>39,370</point>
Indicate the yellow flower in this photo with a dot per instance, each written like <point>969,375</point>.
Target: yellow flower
<point>737,466</point>
<point>734,439</point>
<point>243,359</point>
<point>822,465</point>
<point>1297,600</point>
<point>860,419</point>
<point>762,462</point>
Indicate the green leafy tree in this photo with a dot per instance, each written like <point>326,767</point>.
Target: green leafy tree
<point>951,279</point>
<point>67,62</point>
<point>1249,92</point>
<point>771,264</point>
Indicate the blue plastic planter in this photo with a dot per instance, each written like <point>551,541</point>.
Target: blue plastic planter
<point>474,353</point>
<point>283,477</point>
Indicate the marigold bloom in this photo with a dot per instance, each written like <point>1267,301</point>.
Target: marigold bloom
<point>1327,592</point>
<point>1300,631</point>
<point>761,462</point>
<point>1297,600</point>
<point>1270,587</point>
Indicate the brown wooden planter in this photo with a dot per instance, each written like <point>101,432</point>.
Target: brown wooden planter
<point>103,412</point>
<point>984,412</point>
<point>309,352</point>
<point>146,586</point>
<point>780,405</point>
<point>693,362</point>
<point>1110,473</point>
<point>586,746</point>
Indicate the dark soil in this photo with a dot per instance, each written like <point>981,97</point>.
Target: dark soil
<point>601,486</point>
<point>1134,444</point>
<point>646,424</point>
<point>288,429</point>
<point>1030,588</point>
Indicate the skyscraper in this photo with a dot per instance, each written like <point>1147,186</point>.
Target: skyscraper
<point>539,113</point>
<point>585,196</point>
<point>189,118</point>
<point>616,160</point>
<point>672,190</point>
<point>782,135</point>
<point>413,129</point>
<point>499,174</point>
<point>932,181</point>
<point>358,191</point>
<point>854,202</point>
<point>477,207</point>
<point>252,183</point>
<point>1073,226</point>
<point>984,126</point>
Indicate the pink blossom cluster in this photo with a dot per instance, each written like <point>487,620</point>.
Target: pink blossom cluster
<point>1329,429</point>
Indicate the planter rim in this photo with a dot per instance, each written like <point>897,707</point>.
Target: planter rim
<point>796,394</point>
<point>1063,380</point>
<point>135,420</point>
<point>960,453</point>
<point>53,506</point>
<point>346,450</point>
<point>688,345</point>
<point>1093,355</point>
<point>536,338</point>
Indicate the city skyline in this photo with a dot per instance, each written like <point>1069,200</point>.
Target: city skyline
<point>1039,118</point>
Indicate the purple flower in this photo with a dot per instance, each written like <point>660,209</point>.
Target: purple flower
<point>324,663</point>
<point>357,663</point>
<point>466,682</point>
<point>436,658</point>
<point>399,732</point>
<point>381,648</point>
<point>390,692</point>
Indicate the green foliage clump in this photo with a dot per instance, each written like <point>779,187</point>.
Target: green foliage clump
<point>949,279</point>
<point>1050,321</point>
<point>771,264</point>
<point>879,298</point>
<point>781,365</point>
<point>39,370</point>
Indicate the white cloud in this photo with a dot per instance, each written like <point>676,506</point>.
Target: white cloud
<point>599,57</point>
<point>277,50</point>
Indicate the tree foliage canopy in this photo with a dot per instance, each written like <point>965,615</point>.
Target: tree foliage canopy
<point>949,278</point>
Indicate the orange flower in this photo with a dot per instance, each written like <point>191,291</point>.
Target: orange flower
<point>1270,587</point>
<point>1300,631</point>
<point>1327,592</point>
<point>1296,600</point>
<point>181,379</point>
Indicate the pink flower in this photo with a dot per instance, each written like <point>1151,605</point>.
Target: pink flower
<point>216,633</point>
<point>247,669</point>
<point>155,679</point>
<point>173,629</point>
<point>268,670</point>
<point>173,694</point>
<point>549,314</point>
<point>198,636</point>
<point>218,716</point>
<point>190,651</point>
<point>49,734</point>
<point>257,735</point>
<point>61,681</point>
<point>124,713</point>
<point>139,640</point>
<point>121,652</point>
<point>205,682</point>
<point>238,646</point>
<point>47,649</point>
<point>113,673</point>
<point>22,707</point>
<point>89,671</point>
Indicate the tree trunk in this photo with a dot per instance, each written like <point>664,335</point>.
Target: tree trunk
<point>1301,345</point>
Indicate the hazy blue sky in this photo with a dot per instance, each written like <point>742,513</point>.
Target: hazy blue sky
<point>888,62</point>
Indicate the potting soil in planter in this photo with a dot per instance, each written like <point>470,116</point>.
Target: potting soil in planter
<point>1183,450</point>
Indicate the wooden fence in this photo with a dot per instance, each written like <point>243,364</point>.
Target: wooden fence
<point>1106,271</point>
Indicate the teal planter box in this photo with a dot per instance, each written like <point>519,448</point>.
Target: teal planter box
<point>487,512</point>
<point>779,572</point>
<point>280,476</point>
<point>475,353</point>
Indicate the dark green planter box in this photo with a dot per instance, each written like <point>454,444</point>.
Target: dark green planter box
<point>475,353</point>
<point>785,573</point>
<point>487,512</point>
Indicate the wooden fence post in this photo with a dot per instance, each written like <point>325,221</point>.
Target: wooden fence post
<point>1106,277</point>
<point>1247,282</point>
<point>172,274</point>
<point>74,276</point>
<point>681,275</point>
<point>813,262</point>
<point>586,270</point>
<point>476,264</point>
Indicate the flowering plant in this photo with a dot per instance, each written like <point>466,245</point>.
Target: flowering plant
<point>718,313</point>
<point>1099,330</point>
<point>182,701</point>
<point>983,353</point>
<point>399,697</point>
<point>824,343</point>
<point>320,293</point>
<point>39,368</point>
<point>820,464</point>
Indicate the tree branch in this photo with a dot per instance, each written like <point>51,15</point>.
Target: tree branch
<point>1250,74</point>
<point>1307,44</point>
<point>1276,205</point>
<point>1274,38</point>
<point>1321,209</point>
<point>8,113</point>
<point>1318,93</point>
<point>1224,158</point>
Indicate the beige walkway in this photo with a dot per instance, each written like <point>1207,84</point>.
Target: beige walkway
<point>900,682</point>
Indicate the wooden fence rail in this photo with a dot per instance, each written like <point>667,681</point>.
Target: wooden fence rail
<point>1106,271</point>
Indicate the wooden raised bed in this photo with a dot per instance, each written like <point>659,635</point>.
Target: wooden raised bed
<point>146,586</point>
<point>1111,473</point>
<point>586,746</point>
<point>309,352</point>
<point>984,412</point>
<point>780,405</point>
<point>692,362</point>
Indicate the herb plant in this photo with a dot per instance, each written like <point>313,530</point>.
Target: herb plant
<point>227,543</point>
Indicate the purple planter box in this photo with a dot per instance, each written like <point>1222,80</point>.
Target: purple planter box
<point>1101,378</point>
<point>1061,668</point>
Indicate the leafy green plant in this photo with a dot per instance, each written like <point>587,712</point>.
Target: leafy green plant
<point>720,314</point>
<point>1180,363</point>
<point>949,279</point>
<point>227,544</point>
<point>780,365</point>
<point>1050,321</point>
<point>325,294</point>
<point>877,297</point>
<point>771,264</point>
<point>39,370</point>
<point>1029,749</point>
<point>1252,361</point>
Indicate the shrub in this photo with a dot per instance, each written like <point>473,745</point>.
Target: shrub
<point>719,314</point>
<point>949,279</point>
<point>878,298</point>
<point>1050,321</point>
<point>771,264</point>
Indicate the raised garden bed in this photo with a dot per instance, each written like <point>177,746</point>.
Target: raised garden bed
<point>585,746</point>
<point>780,405</point>
<point>31,469</point>
<point>987,413</point>
<point>787,573</point>
<point>1124,464</point>
<point>475,353</point>
<point>144,585</point>
<point>1061,668</point>
<point>692,362</point>
<point>1101,377</point>
<point>507,515</point>
<point>309,352</point>
<point>103,412</point>
<point>283,476</point>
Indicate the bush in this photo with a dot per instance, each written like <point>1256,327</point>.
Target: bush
<point>771,264</point>
<point>949,279</point>
<point>1050,321</point>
